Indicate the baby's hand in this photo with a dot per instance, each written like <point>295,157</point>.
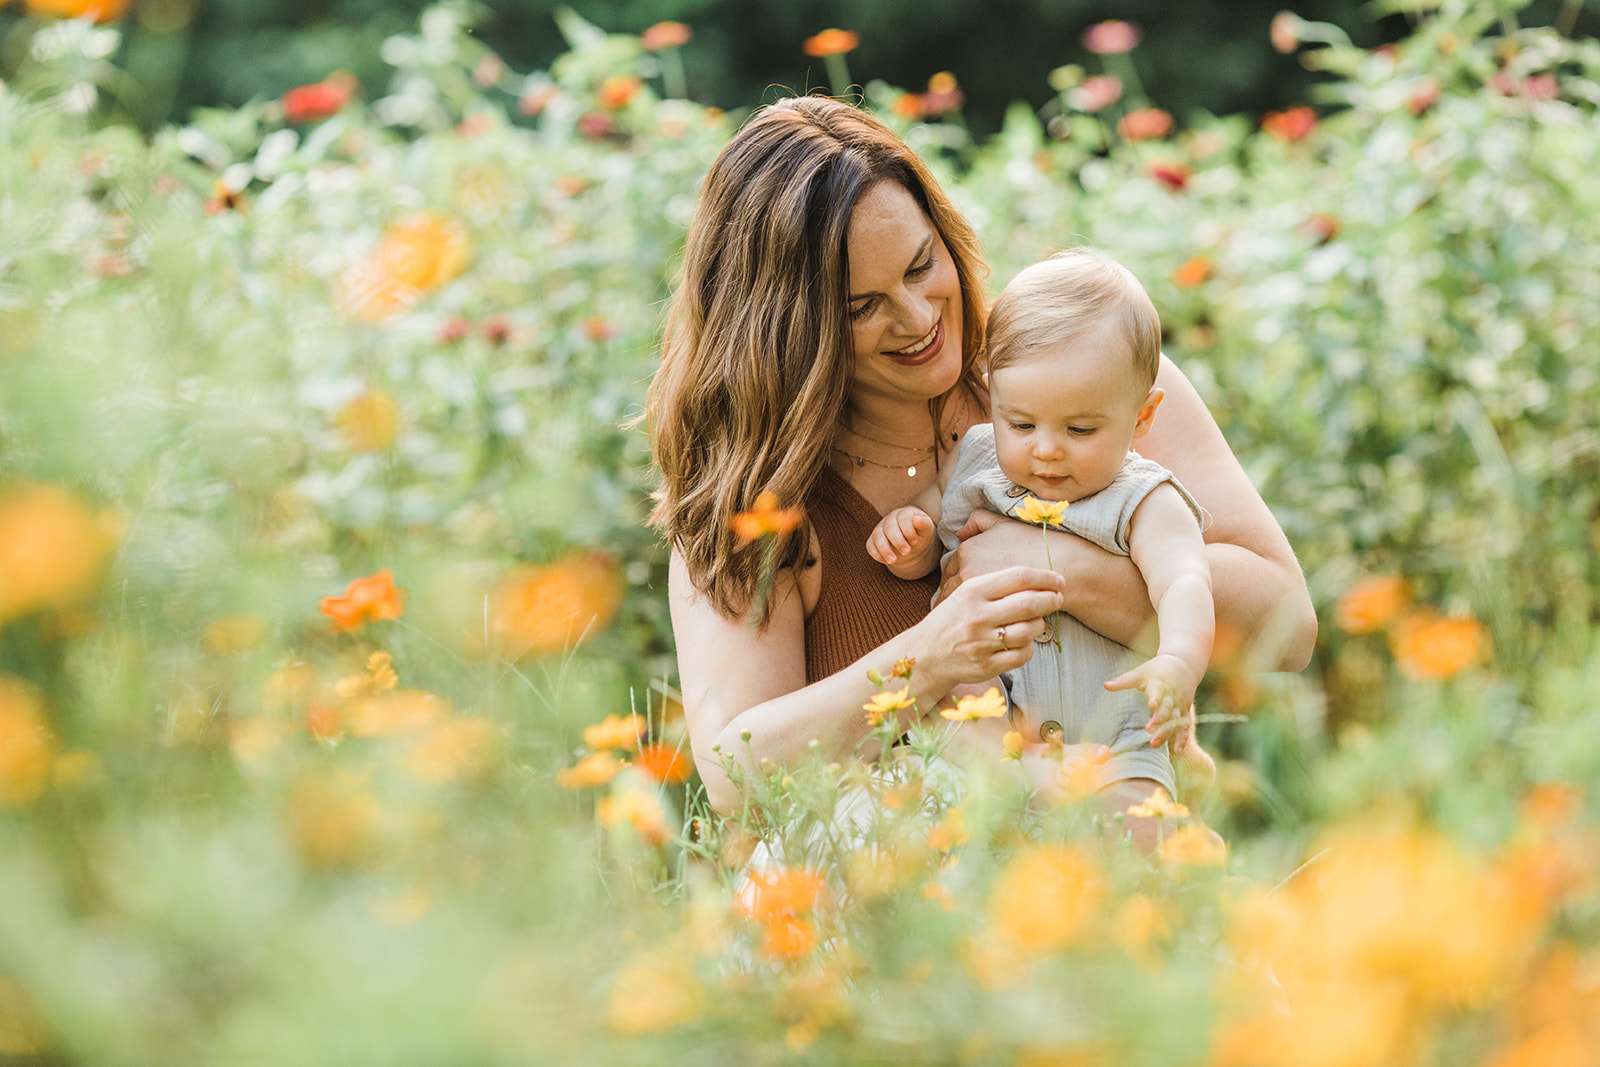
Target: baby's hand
<point>904,533</point>
<point>1169,683</point>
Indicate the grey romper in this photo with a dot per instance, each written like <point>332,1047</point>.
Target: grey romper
<point>1067,687</point>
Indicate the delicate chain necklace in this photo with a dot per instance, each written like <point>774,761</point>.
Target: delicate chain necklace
<point>862,461</point>
<point>878,440</point>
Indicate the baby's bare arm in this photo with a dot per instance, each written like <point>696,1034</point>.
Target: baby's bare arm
<point>1165,544</point>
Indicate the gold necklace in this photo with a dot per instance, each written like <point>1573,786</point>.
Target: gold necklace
<point>861,461</point>
<point>880,441</point>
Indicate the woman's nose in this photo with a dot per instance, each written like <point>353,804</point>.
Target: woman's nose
<point>914,315</point>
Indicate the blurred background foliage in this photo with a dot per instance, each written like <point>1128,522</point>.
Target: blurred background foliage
<point>208,53</point>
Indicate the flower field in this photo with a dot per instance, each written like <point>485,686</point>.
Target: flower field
<point>336,682</point>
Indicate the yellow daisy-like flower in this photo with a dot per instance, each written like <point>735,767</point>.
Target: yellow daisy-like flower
<point>990,705</point>
<point>1159,806</point>
<point>1041,512</point>
<point>1013,745</point>
<point>885,702</point>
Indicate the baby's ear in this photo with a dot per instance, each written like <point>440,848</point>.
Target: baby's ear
<point>1147,411</point>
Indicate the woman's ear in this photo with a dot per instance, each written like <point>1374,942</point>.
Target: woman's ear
<point>1147,412</point>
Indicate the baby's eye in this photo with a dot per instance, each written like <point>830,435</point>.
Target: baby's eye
<point>1080,431</point>
<point>1022,427</point>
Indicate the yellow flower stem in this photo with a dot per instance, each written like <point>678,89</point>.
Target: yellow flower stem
<point>1044,531</point>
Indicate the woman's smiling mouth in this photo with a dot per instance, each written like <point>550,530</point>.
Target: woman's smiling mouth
<point>923,350</point>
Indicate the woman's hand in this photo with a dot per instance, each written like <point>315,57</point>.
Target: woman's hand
<point>989,542</point>
<point>989,624</point>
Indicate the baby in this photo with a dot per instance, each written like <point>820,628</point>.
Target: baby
<point>1073,348</point>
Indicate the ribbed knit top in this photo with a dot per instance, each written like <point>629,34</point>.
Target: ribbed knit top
<point>861,604</point>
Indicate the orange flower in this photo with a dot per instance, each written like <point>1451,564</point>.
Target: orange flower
<point>99,10</point>
<point>538,610</point>
<point>1372,603</point>
<point>390,714</point>
<point>27,748</point>
<point>773,893</point>
<point>370,422</point>
<point>614,731</point>
<point>618,91</point>
<point>320,100</point>
<point>365,599</point>
<point>1194,270</point>
<point>51,549</point>
<point>665,35</point>
<point>1194,846</point>
<point>654,992</point>
<point>667,764</point>
<point>832,42</point>
<point>420,252</point>
<point>1433,648</point>
<point>1295,124</point>
<point>597,768</point>
<point>333,821</point>
<point>1144,124</point>
<point>765,518</point>
<point>637,809</point>
<point>787,938</point>
<point>1550,804</point>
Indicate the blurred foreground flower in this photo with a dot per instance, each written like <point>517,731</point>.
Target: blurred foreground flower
<point>537,610</point>
<point>51,549</point>
<point>319,100</point>
<point>638,809</point>
<point>653,992</point>
<point>1046,898</point>
<point>1432,648</point>
<point>597,768</point>
<point>366,599</point>
<point>420,252</point>
<point>451,749</point>
<point>1372,603</point>
<point>667,764</point>
<point>333,820</point>
<point>614,731</point>
<point>765,519</point>
<point>27,748</point>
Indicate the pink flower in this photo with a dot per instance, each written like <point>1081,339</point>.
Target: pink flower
<point>1111,37</point>
<point>1174,176</point>
<point>1097,92</point>
<point>1285,31</point>
<point>1144,124</point>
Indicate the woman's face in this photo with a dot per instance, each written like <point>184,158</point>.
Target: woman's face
<point>905,298</point>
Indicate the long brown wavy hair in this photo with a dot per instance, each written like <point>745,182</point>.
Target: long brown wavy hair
<point>757,357</point>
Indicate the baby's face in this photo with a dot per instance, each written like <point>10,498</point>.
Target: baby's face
<point>1065,419</point>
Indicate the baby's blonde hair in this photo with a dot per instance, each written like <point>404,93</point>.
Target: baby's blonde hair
<point>1061,298</point>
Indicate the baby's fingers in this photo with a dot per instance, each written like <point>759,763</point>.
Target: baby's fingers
<point>1131,680</point>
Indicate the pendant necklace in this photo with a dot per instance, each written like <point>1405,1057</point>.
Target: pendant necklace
<point>862,461</point>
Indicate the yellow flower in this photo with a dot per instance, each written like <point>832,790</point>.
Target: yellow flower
<point>614,731</point>
<point>990,705</point>
<point>950,833</point>
<point>333,821</point>
<point>1159,806</point>
<point>597,768</point>
<point>27,749</point>
<point>389,714</point>
<point>1194,846</point>
<point>1041,512</point>
<point>419,252</point>
<point>1045,899</point>
<point>654,992</point>
<point>51,549</point>
<point>1013,745</point>
<point>380,678</point>
<point>370,422</point>
<point>882,704</point>
<point>451,749</point>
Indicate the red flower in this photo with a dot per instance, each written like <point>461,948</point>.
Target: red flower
<point>1423,97</point>
<point>1174,176</point>
<point>1323,227</point>
<point>1144,124</point>
<point>454,329</point>
<point>365,599</point>
<point>497,331</point>
<point>1295,124</point>
<point>320,100</point>
<point>832,43</point>
<point>596,125</point>
<point>665,35</point>
<point>1111,37</point>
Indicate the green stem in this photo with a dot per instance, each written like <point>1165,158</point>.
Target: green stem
<point>1044,529</point>
<point>838,73</point>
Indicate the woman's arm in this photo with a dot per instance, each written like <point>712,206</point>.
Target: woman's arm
<point>736,679</point>
<point>1263,607</point>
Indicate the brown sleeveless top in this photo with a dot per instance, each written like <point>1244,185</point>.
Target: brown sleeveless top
<point>861,604</point>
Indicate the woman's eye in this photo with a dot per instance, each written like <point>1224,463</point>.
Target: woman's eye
<point>860,311</point>
<point>917,272</point>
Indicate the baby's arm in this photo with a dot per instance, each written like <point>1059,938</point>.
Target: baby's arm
<point>906,540</point>
<point>1165,544</point>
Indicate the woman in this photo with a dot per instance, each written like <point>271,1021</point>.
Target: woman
<point>824,346</point>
